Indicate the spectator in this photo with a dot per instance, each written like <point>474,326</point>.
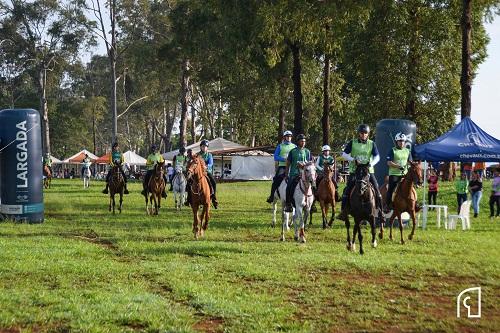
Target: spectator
<point>461,187</point>
<point>479,168</point>
<point>495,194</point>
<point>433,187</point>
<point>467,169</point>
<point>170,173</point>
<point>476,190</point>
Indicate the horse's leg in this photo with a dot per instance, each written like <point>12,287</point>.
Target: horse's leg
<point>274,207</point>
<point>372,225</point>
<point>348,226</point>
<point>296,220</point>
<point>311,213</point>
<point>303,221</point>
<point>206,215</point>
<point>194,207</point>
<point>284,221</point>
<point>360,237</point>
<point>110,200</point>
<point>114,204</point>
<point>401,227</point>
<point>146,200</point>
<point>381,232</point>
<point>324,212</point>
<point>175,200</point>
<point>413,219</point>
<point>121,201</point>
<point>332,217</point>
<point>391,223</point>
<point>355,230</point>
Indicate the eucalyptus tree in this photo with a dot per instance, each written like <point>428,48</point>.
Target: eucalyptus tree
<point>44,32</point>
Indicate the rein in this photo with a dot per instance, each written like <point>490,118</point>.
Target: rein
<point>302,185</point>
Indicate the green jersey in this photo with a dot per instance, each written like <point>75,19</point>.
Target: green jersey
<point>153,159</point>
<point>320,162</point>
<point>282,151</point>
<point>400,157</point>
<point>47,161</point>
<point>116,156</point>
<point>180,160</point>
<point>361,151</point>
<point>296,156</point>
<point>461,186</point>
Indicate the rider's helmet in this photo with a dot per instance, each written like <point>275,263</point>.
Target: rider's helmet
<point>325,147</point>
<point>400,137</point>
<point>363,128</point>
<point>154,147</point>
<point>182,150</point>
<point>204,143</point>
<point>301,137</point>
<point>287,133</point>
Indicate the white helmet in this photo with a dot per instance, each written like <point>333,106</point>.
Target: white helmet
<point>325,147</point>
<point>285,133</point>
<point>400,137</point>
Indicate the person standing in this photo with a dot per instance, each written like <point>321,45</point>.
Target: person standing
<point>297,156</point>
<point>479,168</point>
<point>461,187</point>
<point>495,194</point>
<point>280,157</point>
<point>433,179</point>
<point>476,190</point>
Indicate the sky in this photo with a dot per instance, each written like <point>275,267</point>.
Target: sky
<point>485,110</point>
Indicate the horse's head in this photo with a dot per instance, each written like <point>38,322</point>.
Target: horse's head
<point>117,166</point>
<point>308,173</point>
<point>362,175</point>
<point>327,170</point>
<point>159,168</point>
<point>416,173</point>
<point>195,166</point>
<point>179,169</point>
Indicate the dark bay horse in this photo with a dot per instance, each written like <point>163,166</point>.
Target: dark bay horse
<point>200,194</point>
<point>405,199</point>
<point>155,188</point>
<point>362,207</point>
<point>116,186</point>
<point>48,176</point>
<point>326,195</point>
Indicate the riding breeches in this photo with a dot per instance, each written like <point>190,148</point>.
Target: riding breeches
<point>277,179</point>
<point>108,176</point>
<point>290,188</point>
<point>211,180</point>
<point>393,182</point>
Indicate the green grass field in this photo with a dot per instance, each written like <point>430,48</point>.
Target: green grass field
<point>85,270</point>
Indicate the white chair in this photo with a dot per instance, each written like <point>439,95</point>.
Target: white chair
<point>463,216</point>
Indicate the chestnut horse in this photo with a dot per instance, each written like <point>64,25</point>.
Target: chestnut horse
<point>200,194</point>
<point>326,195</point>
<point>48,176</point>
<point>116,186</point>
<point>362,207</point>
<point>405,199</point>
<point>155,187</point>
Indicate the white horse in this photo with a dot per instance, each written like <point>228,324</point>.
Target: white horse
<point>285,216</point>
<point>86,174</point>
<point>179,187</point>
<point>303,198</point>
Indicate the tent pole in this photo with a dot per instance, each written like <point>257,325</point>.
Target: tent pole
<point>424,213</point>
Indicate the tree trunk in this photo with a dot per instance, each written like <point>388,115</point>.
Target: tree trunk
<point>466,77</point>
<point>44,110</point>
<point>184,103</point>
<point>412,64</point>
<point>112,59</point>
<point>325,120</point>
<point>281,120</point>
<point>193,125</point>
<point>297,91</point>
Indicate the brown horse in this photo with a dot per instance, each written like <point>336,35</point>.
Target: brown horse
<point>48,176</point>
<point>200,194</point>
<point>362,207</point>
<point>405,199</point>
<point>326,195</point>
<point>155,187</point>
<point>116,186</point>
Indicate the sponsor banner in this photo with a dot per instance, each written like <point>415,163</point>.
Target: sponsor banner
<point>12,209</point>
<point>33,208</point>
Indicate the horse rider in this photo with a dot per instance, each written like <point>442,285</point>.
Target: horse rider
<point>153,158</point>
<point>397,161</point>
<point>280,156</point>
<point>297,156</point>
<point>361,150</point>
<point>116,156</point>
<point>325,157</point>
<point>86,163</point>
<point>209,162</point>
<point>179,160</point>
<point>47,162</point>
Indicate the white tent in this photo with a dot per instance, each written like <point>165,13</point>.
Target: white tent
<point>78,157</point>
<point>133,159</point>
<point>55,160</point>
<point>244,163</point>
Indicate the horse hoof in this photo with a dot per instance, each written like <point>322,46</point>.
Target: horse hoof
<point>296,238</point>
<point>282,238</point>
<point>381,235</point>
<point>410,237</point>
<point>402,242</point>
<point>302,240</point>
<point>348,246</point>
<point>353,246</point>
<point>361,252</point>
<point>374,244</point>
<point>390,238</point>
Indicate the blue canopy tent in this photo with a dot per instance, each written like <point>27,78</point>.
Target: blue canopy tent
<point>466,142</point>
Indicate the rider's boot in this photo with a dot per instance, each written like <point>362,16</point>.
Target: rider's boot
<point>343,211</point>
<point>105,191</point>
<point>214,201</point>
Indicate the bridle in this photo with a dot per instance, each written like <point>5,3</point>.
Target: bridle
<point>307,179</point>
